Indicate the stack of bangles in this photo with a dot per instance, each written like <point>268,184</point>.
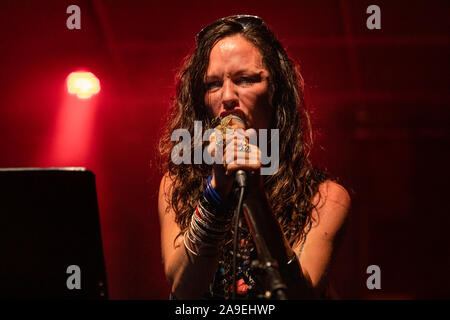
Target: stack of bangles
<point>209,224</point>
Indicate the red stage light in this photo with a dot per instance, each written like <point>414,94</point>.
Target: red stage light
<point>83,84</point>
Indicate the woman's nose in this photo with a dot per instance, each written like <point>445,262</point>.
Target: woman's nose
<point>229,95</point>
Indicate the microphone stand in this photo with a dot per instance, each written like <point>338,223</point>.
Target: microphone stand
<point>277,289</point>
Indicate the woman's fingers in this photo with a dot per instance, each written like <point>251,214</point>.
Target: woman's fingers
<point>212,145</point>
<point>251,136</point>
<point>245,160</point>
<point>239,149</point>
<point>215,145</point>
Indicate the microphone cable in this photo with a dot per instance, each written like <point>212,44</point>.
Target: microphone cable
<point>241,179</point>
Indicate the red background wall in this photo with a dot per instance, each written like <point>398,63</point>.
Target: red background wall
<point>379,102</point>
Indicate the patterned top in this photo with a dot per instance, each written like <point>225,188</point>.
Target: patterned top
<point>248,281</point>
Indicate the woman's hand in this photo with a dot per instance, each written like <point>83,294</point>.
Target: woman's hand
<point>238,154</point>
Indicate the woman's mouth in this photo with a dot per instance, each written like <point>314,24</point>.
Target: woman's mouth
<point>235,112</point>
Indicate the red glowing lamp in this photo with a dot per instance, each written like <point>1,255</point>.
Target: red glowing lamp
<point>83,84</point>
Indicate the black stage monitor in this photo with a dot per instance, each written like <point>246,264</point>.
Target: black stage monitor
<point>50,240</point>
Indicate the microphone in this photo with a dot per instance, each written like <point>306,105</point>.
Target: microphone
<point>241,178</point>
<point>241,175</point>
<point>241,181</point>
<point>275,284</point>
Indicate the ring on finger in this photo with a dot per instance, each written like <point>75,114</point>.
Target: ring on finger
<point>243,147</point>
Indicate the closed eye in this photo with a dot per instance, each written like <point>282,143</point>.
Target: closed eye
<point>213,84</point>
<point>248,80</point>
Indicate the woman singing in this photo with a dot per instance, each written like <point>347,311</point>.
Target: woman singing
<point>239,69</point>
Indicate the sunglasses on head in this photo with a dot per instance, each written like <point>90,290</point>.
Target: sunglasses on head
<point>245,20</point>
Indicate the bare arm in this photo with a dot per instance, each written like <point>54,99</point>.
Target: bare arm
<point>330,217</point>
<point>305,278</point>
<point>189,275</point>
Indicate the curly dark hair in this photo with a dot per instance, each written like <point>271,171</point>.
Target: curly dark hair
<point>291,189</point>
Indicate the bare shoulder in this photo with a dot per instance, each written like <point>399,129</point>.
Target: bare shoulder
<point>332,193</point>
<point>166,183</point>
<point>164,194</point>
<point>332,207</point>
